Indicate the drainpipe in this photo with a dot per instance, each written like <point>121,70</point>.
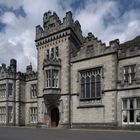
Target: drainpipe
<point>116,108</point>
<point>69,86</point>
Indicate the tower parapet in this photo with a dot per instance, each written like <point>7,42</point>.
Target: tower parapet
<point>52,24</point>
<point>8,71</point>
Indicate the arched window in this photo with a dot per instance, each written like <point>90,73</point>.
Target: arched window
<point>82,87</point>
<point>87,87</point>
<point>98,86</point>
<point>92,86</point>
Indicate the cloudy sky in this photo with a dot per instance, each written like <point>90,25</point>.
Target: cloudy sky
<point>106,19</point>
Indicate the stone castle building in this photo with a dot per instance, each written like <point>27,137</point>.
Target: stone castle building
<point>80,82</point>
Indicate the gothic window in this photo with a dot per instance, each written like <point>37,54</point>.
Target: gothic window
<point>2,114</point>
<point>52,78</point>
<point>33,90</point>
<point>129,73</point>
<point>131,111</point>
<point>33,115</point>
<point>2,90</point>
<point>90,84</point>
<point>10,89</point>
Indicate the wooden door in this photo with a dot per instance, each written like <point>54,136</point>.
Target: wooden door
<point>54,117</point>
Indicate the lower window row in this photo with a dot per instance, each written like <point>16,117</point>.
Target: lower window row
<point>131,111</point>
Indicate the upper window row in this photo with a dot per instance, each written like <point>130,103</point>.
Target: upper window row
<point>52,53</point>
<point>3,90</point>
<point>129,73</point>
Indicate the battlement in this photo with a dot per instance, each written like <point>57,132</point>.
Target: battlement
<point>20,76</point>
<point>93,47</point>
<point>130,48</point>
<point>8,71</point>
<point>52,24</point>
<point>30,74</point>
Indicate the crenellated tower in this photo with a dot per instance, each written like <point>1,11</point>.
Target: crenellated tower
<point>56,41</point>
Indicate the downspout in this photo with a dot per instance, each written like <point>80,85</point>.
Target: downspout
<point>116,116</point>
<point>70,125</point>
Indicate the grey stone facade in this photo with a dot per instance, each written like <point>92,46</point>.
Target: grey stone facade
<point>80,82</point>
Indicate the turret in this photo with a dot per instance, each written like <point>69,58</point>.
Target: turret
<point>13,65</point>
<point>29,69</point>
<point>114,43</point>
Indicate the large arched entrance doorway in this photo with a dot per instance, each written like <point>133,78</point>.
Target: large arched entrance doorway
<point>54,117</point>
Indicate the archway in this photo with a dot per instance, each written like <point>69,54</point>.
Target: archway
<point>54,117</point>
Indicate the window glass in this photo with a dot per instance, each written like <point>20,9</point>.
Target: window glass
<point>87,87</point>
<point>138,116</point>
<point>126,69</point>
<point>98,86</point>
<point>124,104</point>
<point>131,103</point>
<point>132,69</point>
<point>131,114</point>
<point>124,116</point>
<point>56,52</point>
<point>126,77</point>
<point>47,54</point>
<point>52,52</point>
<point>10,114</point>
<point>138,103</point>
<point>92,86</point>
<point>10,86</point>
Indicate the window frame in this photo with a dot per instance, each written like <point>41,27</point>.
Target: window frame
<point>52,52</point>
<point>33,91</point>
<point>33,116</point>
<point>3,90</point>
<point>89,73</point>
<point>10,114</point>
<point>53,80</point>
<point>128,73</point>
<point>128,109</point>
<point>10,90</point>
<point>2,114</point>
